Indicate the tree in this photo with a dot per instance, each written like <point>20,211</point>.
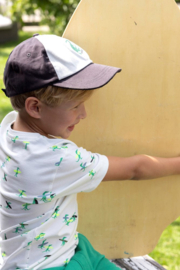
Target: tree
<point>55,13</point>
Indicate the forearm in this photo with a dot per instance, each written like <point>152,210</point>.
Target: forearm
<point>149,167</point>
<point>141,167</point>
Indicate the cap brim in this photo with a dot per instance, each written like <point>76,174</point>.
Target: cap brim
<point>91,77</point>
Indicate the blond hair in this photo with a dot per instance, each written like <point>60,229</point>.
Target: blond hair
<point>51,96</point>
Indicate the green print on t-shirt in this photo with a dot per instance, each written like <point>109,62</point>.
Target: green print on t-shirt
<point>78,155</point>
<point>15,139</point>
<point>45,194</point>
<point>5,178</point>
<point>26,144</point>
<point>56,147</point>
<point>55,214</point>
<point>17,171</point>
<point>48,248</point>
<point>83,166</point>
<point>25,206</point>
<point>22,193</point>
<point>39,236</point>
<point>63,241</point>
<point>92,173</point>
<point>72,219</point>
<point>42,245</point>
<point>59,163</point>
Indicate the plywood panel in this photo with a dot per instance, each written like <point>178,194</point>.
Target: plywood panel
<point>136,113</point>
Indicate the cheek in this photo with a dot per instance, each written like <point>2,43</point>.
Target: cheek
<point>63,121</point>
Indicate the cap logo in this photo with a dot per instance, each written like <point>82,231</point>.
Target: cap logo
<point>75,47</point>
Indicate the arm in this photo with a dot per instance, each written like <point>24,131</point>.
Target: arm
<point>141,167</point>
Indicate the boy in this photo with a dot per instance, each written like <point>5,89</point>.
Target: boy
<point>48,79</point>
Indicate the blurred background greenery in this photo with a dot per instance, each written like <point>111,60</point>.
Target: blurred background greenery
<point>55,14</point>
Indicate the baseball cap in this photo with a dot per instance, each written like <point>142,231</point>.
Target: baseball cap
<point>52,60</point>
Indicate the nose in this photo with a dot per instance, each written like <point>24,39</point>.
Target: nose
<point>83,113</point>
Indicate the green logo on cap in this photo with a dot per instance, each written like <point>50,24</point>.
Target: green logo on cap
<point>75,47</point>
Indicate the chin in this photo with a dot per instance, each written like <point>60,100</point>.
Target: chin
<point>64,136</point>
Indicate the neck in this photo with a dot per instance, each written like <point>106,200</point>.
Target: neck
<point>26,123</point>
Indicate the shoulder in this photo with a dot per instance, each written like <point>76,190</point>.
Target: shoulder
<point>77,168</point>
<point>8,119</point>
<point>59,144</point>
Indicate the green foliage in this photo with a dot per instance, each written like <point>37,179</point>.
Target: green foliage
<point>55,13</point>
<point>167,251</point>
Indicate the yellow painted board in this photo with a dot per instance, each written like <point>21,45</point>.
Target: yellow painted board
<point>136,113</point>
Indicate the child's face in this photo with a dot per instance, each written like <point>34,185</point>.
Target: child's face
<point>61,120</point>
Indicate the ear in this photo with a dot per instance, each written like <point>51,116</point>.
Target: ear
<point>33,107</point>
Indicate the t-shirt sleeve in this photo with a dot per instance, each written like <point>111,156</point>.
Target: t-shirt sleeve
<point>78,170</point>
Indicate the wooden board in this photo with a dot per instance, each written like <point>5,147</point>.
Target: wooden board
<point>136,113</point>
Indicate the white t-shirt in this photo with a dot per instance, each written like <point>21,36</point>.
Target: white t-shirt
<point>39,180</point>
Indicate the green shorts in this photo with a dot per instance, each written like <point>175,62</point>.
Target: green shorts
<point>87,258</point>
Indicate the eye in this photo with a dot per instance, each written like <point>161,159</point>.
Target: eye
<point>77,105</point>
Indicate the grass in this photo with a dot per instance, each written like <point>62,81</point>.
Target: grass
<point>167,251</point>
